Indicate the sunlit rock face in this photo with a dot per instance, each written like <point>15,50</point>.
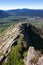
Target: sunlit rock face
<point>40,61</point>
<point>31,54</point>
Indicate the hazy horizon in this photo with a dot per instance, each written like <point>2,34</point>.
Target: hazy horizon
<point>20,8</point>
<point>20,4</point>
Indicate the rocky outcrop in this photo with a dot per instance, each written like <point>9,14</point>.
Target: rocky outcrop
<point>40,61</point>
<point>38,30</point>
<point>31,54</point>
<point>11,35</point>
<point>33,58</point>
<point>9,38</point>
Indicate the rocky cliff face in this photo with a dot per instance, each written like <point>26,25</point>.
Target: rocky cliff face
<point>33,57</point>
<point>40,61</point>
<point>31,36</point>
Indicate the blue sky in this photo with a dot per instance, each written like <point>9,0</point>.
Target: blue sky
<point>15,4</point>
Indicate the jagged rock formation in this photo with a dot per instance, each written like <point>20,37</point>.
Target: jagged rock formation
<point>37,30</point>
<point>33,57</point>
<point>7,40</point>
<point>10,37</point>
<point>31,54</point>
<point>40,61</point>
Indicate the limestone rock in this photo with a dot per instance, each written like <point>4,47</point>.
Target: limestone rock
<point>40,61</point>
<point>30,57</point>
<point>31,54</point>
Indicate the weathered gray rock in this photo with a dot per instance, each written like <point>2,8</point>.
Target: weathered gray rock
<point>31,54</point>
<point>40,61</point>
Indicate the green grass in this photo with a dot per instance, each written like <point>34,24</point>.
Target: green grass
<point>14,57</point>
<point>25,53</point>
<point>34,60</point>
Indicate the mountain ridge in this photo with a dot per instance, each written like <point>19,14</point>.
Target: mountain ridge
<point>22,12</point>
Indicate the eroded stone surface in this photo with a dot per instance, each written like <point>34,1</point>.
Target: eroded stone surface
<point>40,61</point>
<point>33,54</point>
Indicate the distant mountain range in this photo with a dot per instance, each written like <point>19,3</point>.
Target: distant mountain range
<point>21,12</point>
<point>3,14</point>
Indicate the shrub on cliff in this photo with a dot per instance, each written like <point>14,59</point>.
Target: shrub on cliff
<point>34,60</point>
<point>14,57</point>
